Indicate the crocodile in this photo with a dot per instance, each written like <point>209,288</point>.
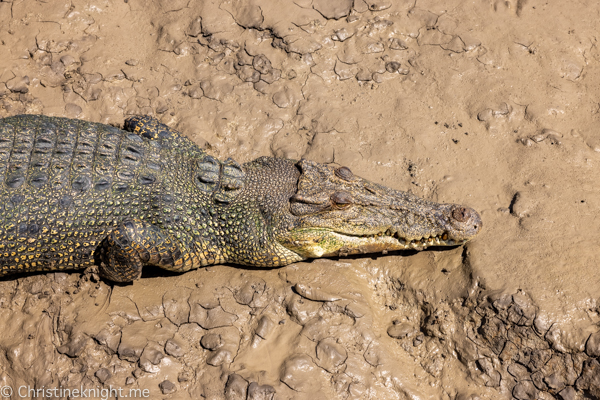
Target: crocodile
<point>76,194</point>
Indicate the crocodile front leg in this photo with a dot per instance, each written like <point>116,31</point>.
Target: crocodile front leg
<point>133,244</point>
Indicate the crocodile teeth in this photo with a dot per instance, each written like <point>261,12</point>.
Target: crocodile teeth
<point>425,241</point>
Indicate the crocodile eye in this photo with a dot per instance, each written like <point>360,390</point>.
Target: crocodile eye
<point>344,173</point>
<point>341,199</point>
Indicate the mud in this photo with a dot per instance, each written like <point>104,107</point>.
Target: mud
<point>492,104</point>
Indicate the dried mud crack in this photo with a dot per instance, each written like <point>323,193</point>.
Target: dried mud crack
<point>224,341</point>
<point>519,358</point>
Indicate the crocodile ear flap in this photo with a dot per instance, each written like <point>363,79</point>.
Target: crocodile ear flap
<point>304,165</point>
<point>307,167</point>
<point>312,174</point>
<point>313,191</point>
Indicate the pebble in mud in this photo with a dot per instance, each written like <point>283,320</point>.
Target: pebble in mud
<point>301,310</point>
<point>223,345</point>
<point>568,394</point>
<point>195,93</point>
<point>243,58</point>
<point>378,5</point>
<point>248,74</point>
<point>249,16</point>
<point>67,60</point>
<point>272,76</point>
<point>364,75</point>
<point>211,341</point>
<point>250,291</point>
<point>184,376</point>
<point>18,84</point>
<point>525,390</point>
<point>589,381</point>
<point>330,354</point>
<point>73,110</point>
<point>375,354</point>
<point>167,387</point>
<point>262,64</point>
<point>299,372</point>
<point>493,377</point>
<point>341,34</point>
<point>220,357</point>
<point>260,392</point>
<point>151,357</point>
<point>283,98</point>
<point>176,306</point>
<point>174,348</point>
<point>345,71</point>
<point>314,294</point>
<point>265,327</point>
<point>392,66</point>
<point>400,330</point>
<point>103,374</point>
<point>333,9</point>
<point>132,343</point>
<point>592,346</point>
<point>74,346</point>
<point>518,371</point>
<point>236,388</point>
<point>261,86</point>
<point>397,44</point>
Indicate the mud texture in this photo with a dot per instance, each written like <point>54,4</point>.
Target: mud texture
<point>492,104</point>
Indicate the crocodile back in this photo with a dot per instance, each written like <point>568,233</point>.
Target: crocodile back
<point>64,184</point>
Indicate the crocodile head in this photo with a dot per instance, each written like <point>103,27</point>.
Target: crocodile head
<point>338,213</point>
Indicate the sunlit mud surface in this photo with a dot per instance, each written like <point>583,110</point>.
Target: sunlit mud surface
<point>491,104</point>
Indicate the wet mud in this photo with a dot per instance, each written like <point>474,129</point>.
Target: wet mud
<point>491,104</point>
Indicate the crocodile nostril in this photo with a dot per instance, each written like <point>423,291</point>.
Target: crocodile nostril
<point>461,214</point>
<point>344,173</point>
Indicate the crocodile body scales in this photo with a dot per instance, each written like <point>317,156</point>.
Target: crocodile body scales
<point>75,194</point>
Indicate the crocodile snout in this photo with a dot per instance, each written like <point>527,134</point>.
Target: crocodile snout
<point>466,222</point>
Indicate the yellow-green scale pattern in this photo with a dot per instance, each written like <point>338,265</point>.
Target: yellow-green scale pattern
<point>76,193</point>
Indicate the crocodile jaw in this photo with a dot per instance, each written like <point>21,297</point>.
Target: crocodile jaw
<point>315,243</point>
